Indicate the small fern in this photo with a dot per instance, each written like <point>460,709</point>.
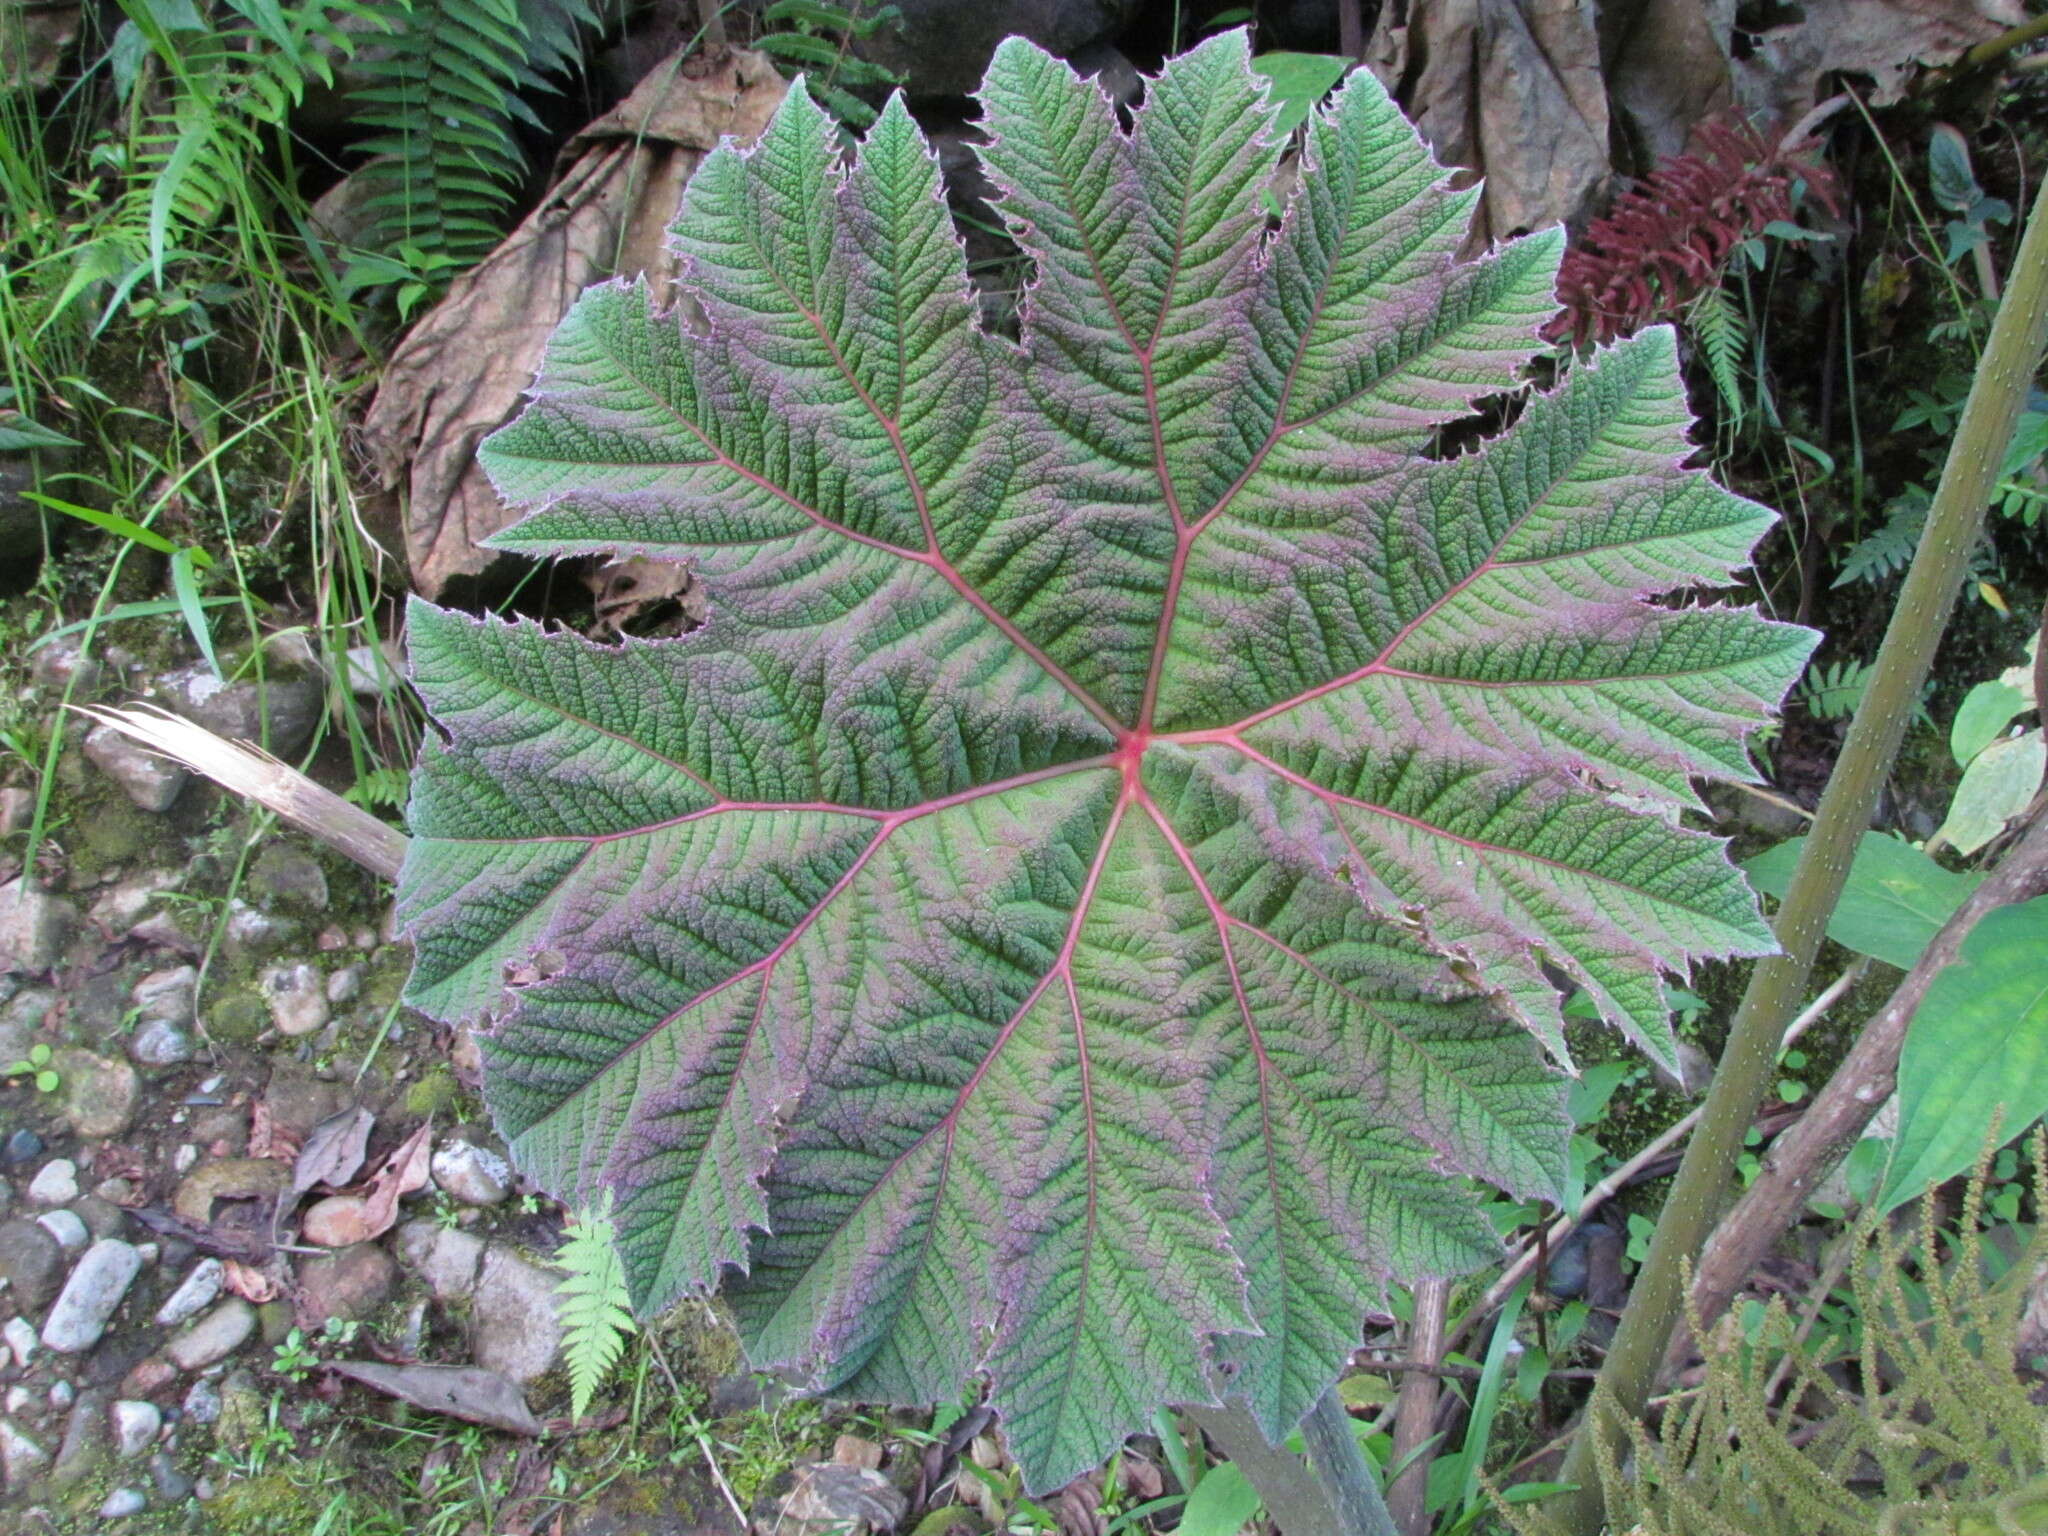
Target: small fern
<point>594,1305</point>
<point>1886,552</point>
<point>816,39</point>
<point>1832,691</point>
<point>1722,332</point>
<point>450,91</point>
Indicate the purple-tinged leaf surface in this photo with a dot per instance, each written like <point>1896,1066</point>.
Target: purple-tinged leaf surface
<point>1091,899</point>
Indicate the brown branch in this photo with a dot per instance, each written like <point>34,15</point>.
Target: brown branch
<point>1803,1156</point>
<point>1415,1411</point>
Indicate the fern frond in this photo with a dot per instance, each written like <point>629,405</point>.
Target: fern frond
<point>1722,332</point>
<point>594,1304</point>
<point>1885,552</point>
<point>1832,691</point>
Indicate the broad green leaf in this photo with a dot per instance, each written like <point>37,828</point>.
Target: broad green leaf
<point>1978,1045</point>
<point>1296,83</point>
<point>1095,895</point>
<point>2000,782</point>
<point>1223,1503</point>
<point>1986,711</point>
<point>1894,903</point>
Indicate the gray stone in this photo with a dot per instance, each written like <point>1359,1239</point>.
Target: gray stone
<point>241,1415</point>
<point>515,1329</point>
<point>20,1335</point>
<point>68,1227</point>
<point>472,1174</point>
<point>122,1503</point>
<point>32,1264</point>
<point>152,782</point>
<point>943,47</point>
<point>288,878</point>
<point>91,1296</point>
<point>297,995</point>
<point>34,926</point>
<point>55,1183</point>
<point>136,1425</point>
<point>202,1403</point>
<point>214,1337</point>
<point>169,995</point>
<point>20,1457</point>
<point>251,932</point>
<point>21,1148</point>
<point>194,1294</point>
<point>17,810</point>
<point>20,1018</point>
<point>88,1439</point>
<point>171,1484</point>
<point>97,1094</point>
<point>360,666</point>
<point>160,1043</point>
<point>65,663</point>
<point>830,1496</point>
<point>288,705</point>
<point>445,1258</point>
<point>345,985</point>
<point>127,902</point>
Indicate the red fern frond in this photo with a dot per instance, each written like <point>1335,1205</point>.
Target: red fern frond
<point>1669,238</point>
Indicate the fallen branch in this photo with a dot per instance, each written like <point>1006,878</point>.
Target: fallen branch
<point>255,774</point>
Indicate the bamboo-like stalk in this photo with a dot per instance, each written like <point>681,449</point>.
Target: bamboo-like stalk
<point>1940,563</point>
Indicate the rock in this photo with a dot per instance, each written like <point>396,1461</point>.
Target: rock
<point>288,706</point>
<point>298,1100</point>
<point>20,1457</point>
<point>446,1259</point>
<point>168,995</point>
<point>290,878</point>
<point>214,1337</point>
<point>195,1293</point>
<point>68,1227</point>
<point>943,47</point>
<point>97,1094</point>
<point>20,1335</point>
<point>65,663</point>
<point>101,1218</point>
<point>202,1403</point>
<point>91,1296</point>
<point>472,1174</point>
<point>152,782</point>
<point>22,1016</point>
<point>240,1414</point>
<point>159,1043</point>
<point>274,1318</point>
<point>148,1376</point>
<point>17,810</point>
<point>88,1439</point>
<point>252,933</point>
<point>228,1178</point>
<point>829,1496</point>
<point>515,1330</point>
<point>372,671</point>
<point>345,985</point>
<point>55,1183</point>
<point>122,1503</point>
<point>61,1393</point>
<point>127,902</point>
<point>348,1283</point>
<point>171,1484</point>
<point>297,995</point>
<point>136,1425</point>
<point>34,926</point>
<point>22,1147</point>
<point>32,1264</point>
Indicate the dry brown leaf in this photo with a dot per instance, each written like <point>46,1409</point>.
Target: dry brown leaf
<point>333,1151</point>
<point>340,1221</point>
<point>248,1282</point>
<point>627,593</point>
<point>461,1391</point>
<point>460,372</point>
<point>268,1139</point>
<point>1788,67</point>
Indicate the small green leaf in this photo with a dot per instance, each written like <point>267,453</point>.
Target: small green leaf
<point>46,1082</point>
<point>1978,1044</point>
<point>1896,900</point>
<point>1221,1505</point>
<point>1986,711</point>
<point>1999,784</point>
<point>1296,82</point>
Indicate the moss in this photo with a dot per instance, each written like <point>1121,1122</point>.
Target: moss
<point>262,1506</point>
<point>384,978</point>
<point>110,830</point>
<point>436,1093</point>
<point>237,1018</point>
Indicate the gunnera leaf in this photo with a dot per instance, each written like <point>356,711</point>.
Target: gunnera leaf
<point>1097,891</point>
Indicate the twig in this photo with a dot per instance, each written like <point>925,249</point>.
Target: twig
<point>1415,1411</point>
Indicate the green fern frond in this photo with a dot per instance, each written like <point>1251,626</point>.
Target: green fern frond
<point>449,88</point>
<point>1886,552</point>
<point>815,38</point>
<point>594,1304</point>
<point>1722,332</point>
<point>1832,691</point>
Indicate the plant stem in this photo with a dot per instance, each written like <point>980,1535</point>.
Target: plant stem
<point>1997,393</point>
<point>1341,1499</point>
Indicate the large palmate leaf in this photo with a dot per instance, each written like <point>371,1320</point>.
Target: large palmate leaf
<point>1101,882</point>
